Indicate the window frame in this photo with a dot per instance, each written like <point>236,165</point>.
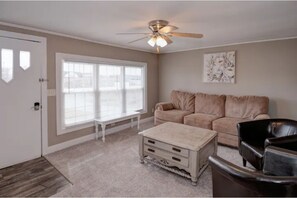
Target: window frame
<point>61,58</point>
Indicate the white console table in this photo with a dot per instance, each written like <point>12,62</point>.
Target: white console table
<point>103,121</point>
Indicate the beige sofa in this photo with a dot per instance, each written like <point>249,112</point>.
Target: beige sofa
<point>217,112</point>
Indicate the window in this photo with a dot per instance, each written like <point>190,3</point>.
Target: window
<point>78,92</point>
<point>7,64</point>
<point>24,59</point>
<point>110,90</point>
<point>89,87</point>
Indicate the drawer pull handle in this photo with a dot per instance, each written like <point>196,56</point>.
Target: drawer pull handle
<point>151,150</point>
<point>176,149</point>
<point>151,141</point>
<point>176,159</point>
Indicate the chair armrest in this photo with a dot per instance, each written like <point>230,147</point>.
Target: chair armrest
<point>251,131</point>
<point>230,180</point>
<point>262,116</point>
<point>164,106</point>
<point>287,142</point>
<point>279,161</point>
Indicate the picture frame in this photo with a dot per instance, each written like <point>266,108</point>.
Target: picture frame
<point>219,67</point>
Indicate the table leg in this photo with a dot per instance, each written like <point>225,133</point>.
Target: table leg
<point>103,132</point>
<point>131,122</point>
<point>96,130</point>
<point>194,181</point>
<point>141,154</point>
<point>138,120</point>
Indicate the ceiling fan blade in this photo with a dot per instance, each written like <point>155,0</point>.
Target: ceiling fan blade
<point>128,33</point>
<point>167,29</point>
<point>191,35</point>
<point>138,39</point>
<point>167,39</point>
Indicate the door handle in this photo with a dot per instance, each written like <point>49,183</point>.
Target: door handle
<point>36,106</point>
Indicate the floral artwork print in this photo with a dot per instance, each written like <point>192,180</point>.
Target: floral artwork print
<point>219,67</point>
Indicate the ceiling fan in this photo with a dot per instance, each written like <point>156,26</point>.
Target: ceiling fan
<point>161,34</point>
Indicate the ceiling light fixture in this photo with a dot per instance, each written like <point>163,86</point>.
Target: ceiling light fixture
<point>161,41</point>
<point>161,33</point>
<point>152,41</point>
<point>157,40</point>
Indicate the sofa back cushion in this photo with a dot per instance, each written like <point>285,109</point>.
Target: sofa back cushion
<point>246,106</point>
<point>210,104</point>
<point>183,100</point>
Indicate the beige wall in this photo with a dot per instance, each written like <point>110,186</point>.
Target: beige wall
<point>266,68</point>
<point>73,46</point>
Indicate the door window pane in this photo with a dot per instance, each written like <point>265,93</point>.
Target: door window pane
<point>24,59</point>
<point>6,65</point>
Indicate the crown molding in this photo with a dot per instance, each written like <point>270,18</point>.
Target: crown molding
<point>231,44</point>
<point>137,49</point>
<point>70,36</point>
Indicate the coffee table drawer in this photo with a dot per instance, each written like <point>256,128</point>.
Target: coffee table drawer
<point>167,147</point>
<point>167,155</point>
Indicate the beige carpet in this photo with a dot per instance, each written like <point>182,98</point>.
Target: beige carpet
<point>112,169</point>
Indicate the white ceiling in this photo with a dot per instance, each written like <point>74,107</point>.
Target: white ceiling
<point>222,23</point>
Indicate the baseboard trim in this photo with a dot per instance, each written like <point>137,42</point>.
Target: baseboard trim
<point>63,145</point>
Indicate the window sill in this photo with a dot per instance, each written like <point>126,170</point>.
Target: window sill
<point>75,128</point>
<point>83,126</point>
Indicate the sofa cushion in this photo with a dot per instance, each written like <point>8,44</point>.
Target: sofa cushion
<point>228,139</point>
<point>227,125</point>
<point>200,120</point>
<point>174,115</point>
<point>210,104</point>
<point>183,100</point>
<point>246,106</point>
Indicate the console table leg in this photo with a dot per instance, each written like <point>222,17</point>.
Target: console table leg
<point>138,120</point>
<point>96,130</point>
<point>103,132</point>
<point>194,181</point>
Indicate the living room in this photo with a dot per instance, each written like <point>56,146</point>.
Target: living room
<point>262,36</point>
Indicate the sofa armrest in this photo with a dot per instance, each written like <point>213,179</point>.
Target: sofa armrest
<point>164,106</point>
<point>262,116</point>
<point>253,131</point>
<point>287,142</point>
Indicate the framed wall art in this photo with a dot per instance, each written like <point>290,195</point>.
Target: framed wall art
<point>219,67</point>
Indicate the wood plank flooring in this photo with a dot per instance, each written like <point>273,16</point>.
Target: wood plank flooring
<point>34,178</point>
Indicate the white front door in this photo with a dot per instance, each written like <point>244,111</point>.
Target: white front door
<point>20,89</point>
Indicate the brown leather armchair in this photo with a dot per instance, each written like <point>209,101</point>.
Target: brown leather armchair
<point>230,180</point>
<point>255,135</point>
